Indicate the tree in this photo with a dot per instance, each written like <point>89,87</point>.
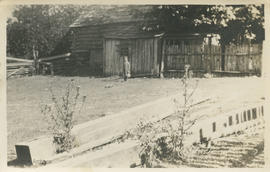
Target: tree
<point>248,23</point>
<point>233,22</point>
<point>42,26</point>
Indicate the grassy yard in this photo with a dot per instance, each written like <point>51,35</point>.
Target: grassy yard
<point>105,96</point>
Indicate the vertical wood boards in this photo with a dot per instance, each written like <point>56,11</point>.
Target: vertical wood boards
<point>103,57</point>
<point>179,52</point>
<point>151,54</point>
<point>162,63</point>
<point>139,57</point>
<point>155,54</point>
<point>142,55</point>
<point>215,56</point>
<point>237,57</point>
<point>141,65</point>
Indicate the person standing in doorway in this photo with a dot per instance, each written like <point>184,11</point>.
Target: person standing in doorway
<point>126,68</point>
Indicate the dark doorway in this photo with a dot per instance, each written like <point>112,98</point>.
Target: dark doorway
<point>96,62</point>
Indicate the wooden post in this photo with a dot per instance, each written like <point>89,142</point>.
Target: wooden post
<point>36,63</point>
<point>223,56</point>
<point>35,59</point>
<point>162,60</point>
<point>202,57</point>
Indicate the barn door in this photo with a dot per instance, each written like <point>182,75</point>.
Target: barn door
<point>95,61</point>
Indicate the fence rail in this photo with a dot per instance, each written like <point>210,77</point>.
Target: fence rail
<point>13,59</point>
<point>19,67</point>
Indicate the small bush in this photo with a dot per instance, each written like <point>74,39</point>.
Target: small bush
<point>160,142</point>
<point>163,141</point>
<point>60,114</point>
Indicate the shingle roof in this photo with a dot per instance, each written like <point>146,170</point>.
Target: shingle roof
<point>108,14</point>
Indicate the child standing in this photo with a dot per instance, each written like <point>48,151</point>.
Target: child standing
<point>250,66</point>
<point>126,68</point>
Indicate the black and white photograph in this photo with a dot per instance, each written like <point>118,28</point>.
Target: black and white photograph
<point>135,86</point>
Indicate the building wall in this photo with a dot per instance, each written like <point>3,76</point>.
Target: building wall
<point>85,38</point>
<point>127,30</point>
<point>87,48</point>
<point>142,54</point>
<point>92,36</point>
<point>106,39</point>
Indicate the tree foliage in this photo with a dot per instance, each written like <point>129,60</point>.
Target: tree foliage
<point>248,23</point>
<point>233,22</point>
<point>42,26</point>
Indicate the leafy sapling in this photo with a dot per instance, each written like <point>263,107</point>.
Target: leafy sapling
<point>163,141</point>
<point>60,115</point>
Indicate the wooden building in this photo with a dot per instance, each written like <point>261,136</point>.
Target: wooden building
<point>101,38</point>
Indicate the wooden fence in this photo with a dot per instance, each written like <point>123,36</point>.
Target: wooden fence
<point>235,59</point>
<point>181,52</point>
<point>19,67</point>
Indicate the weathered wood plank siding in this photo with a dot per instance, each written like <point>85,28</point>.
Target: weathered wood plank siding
<point>87,48</point>
<point>83,38</point>
<point>206,57</point>
<point>216,55</point>
<point>213,52</point>
<point>237,57</point>
<point>90,38</point>
<point>179,52</point>
<point>142,53</point>
<point>127,30</point>
<point>256,54</point>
